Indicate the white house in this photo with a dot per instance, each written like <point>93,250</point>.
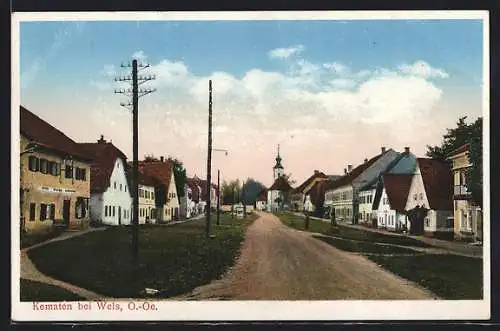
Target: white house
<point>430,199</point>
<point>261,202</point>
<point>370,197</point>
<point>167,206</point>
<point>390,206</point>
<point>110,201</point>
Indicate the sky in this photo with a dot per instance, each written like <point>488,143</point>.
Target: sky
<point>330,92</point>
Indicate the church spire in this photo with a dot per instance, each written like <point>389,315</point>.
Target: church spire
<point>278,160</point>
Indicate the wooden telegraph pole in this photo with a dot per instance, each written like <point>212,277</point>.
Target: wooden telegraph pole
<point>135,93</point>
<point>209,160</point>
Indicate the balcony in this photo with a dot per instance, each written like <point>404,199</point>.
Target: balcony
<point>460,192</point>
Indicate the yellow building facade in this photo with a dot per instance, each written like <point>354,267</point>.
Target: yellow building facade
<point>467,217</point>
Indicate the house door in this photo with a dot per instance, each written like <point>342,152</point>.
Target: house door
<point>66,209</point>
<point>119,215</point>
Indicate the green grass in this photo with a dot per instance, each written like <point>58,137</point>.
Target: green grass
<point>318,226</point>
<point>173,259</point>
<point>449,276</point>
<point>30,239</point>
<point>35,291</point>
<point>364,246</point>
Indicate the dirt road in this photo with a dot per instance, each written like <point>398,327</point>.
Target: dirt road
<point>280,263</point>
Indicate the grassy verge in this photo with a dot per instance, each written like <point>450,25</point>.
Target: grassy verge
<point>28,240</point>
<point>364,246</point>
<point>318,226</point>
<point>449,276</point>
<point>35,291</point>
<point>173,259</point>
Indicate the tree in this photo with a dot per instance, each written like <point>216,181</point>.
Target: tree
<point>230,188</point>
<point>452,139</point>
<point>474,175</point>
<point>252,190</point>
<point>465,133</point>
<point>179,175</point>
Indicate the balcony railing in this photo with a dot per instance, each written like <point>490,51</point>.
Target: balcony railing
<point>460,190</point>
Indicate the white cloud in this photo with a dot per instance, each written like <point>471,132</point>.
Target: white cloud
<point>423,69</point>
<point>139,56</point>
<point>310,103</point>
<point>284,53</point>
<point>336,67</point>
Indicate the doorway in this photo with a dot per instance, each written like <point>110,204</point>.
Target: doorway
<point>119,215</point>
<point>66,209</point>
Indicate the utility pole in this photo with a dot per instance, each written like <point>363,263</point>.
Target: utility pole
<point>218,197</point>
<point>135,93</point>
<point>243,200</point>
<point>209,160</point>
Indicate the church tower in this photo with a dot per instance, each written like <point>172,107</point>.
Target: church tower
<point>278,169</point>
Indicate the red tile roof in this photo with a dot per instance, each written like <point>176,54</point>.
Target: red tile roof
<point>351,176</point>
<point>104,155</point>
<point>438,182</point>
<point>461,149</point>
<point>397,187</point>
<point>160,171</point>
<point>281,184</point>
<point>41,132</point>
<point>308,181</point>
<point>262,196</point>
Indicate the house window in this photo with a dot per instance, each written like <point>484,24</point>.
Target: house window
<point>114,184</point>
<point>44,166</point>
<point>68,171</point>
<point>121,188</point>
<point>55,169</point>
<point>105,211</point>
<point>32,211</point>
<point>52,214</point>
<point>421,196</point>
<point>81,207</point>
<point>114,211</point>
<point>80,174</point>
<point>33,163</point>
<point>124,213</point>
<point>415,197</point>
<point>43,211</point>
<point>427,222</point>
<point>125,188</point>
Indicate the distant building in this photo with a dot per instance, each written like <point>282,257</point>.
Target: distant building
<point>279,194</point>
<point>342,195</point>
<point>261,202</point>
<point>110,201</point>
<point>468,223</point>
<point>55,177</point>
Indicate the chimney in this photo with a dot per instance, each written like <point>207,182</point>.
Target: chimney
<point>345,171</point>
<point>366,160</point>
<point>316,172</point>
<point>383,149</point>
<point>100,141</point>
<point>349,167</point>
<point>162,159</point>
<point>407,150</point>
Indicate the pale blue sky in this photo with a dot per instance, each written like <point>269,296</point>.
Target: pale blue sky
<point>62,66</point>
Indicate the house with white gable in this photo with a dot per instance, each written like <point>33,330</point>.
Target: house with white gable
<point>429,204</point>
<point>261,202</point>
<point>110,200</point>
<point>390,206</point>
<point>167,204</point>
<point>371,195</point>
